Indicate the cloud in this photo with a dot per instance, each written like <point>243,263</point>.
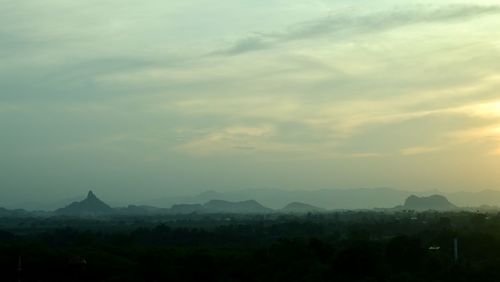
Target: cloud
<point>490,109</point>
<point>245,45</point>
<point>495,152</point>
<point>478,134</point>
<point>313,91</point>
<point>267,140</point>
<point>341,26</point>
<point>241,138</point>
<point>418,150</point>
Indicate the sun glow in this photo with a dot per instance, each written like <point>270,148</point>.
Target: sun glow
<point>491,109</point>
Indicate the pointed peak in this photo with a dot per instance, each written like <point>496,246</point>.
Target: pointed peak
<point>89,206</point>
<point>91,195</point>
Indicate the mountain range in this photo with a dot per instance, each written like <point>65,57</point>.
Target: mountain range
<point>297,207</point>
<point>277,199</point>
<point>333,198</point>
<point>92,206</point>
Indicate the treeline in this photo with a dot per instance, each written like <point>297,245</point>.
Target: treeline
<point>363,246</point>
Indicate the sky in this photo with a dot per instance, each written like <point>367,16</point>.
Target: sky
<point>145,99</point>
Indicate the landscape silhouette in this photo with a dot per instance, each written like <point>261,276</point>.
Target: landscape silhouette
<point>252,141</point>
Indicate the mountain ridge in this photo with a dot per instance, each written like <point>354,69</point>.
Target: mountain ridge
<point>90,206</point>
<point>93,206</point>
<point>299,207</point>
<point>361,198</point>
<point>432,202</point>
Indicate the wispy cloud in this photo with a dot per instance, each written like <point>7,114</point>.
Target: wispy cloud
<point>418,150</point>
<point>249,44</point>
<point>343,25</point>
<point>486,134</point>
<point>239,138</point>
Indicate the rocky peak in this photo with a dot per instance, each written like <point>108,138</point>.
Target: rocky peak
<point>436,202</point>
<point>90,206</point>
<point>91,196</point>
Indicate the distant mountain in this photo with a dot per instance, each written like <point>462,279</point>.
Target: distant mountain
<point>276,198</point>
<point>474,199</point>
<point>236,202</point>
<point>13,213</point>
<point>185,208</point>
<point>90,206</point>
<point>297,207</point>
<point>434,202</point>
<point>337,199</point>
<point>140,210</point>
<point>47,204</point>
<point>220,206</point>
<point>363,198</point>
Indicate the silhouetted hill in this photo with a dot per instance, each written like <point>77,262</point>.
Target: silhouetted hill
<point>140,210</point>
<point>13,213</point>
<point>185,208</point>
<point>90,206</point>
<point>339,199</point>
<point>276,198</point>
<point>297,207</point>
<point>434,202</point>
<point>220,206</point>
<point>475,199</point>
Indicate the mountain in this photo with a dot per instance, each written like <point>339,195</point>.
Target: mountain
<point>47,204</point>
<point>339,199</point>
<point>13,213</point>
<point>90,206</point>
<point>297,207</point>
<point>475,199</point>
<point>140,210</point>
<point>363,198</point>
<point>434,202</point>
<point>185,208</point>
<point>276,198</point>
<point>220,206</point>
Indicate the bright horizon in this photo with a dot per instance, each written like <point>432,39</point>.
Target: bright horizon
<point>137,100</point>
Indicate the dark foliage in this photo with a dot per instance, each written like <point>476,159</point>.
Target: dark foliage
<point>349,246</point>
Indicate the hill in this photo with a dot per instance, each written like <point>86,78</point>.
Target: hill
<point>337,199</point>
<point>13,213</point>
<point>185,208</point>
<point>90,206</point>
<point>276,198</point>
<point>297,207</point>
<point>434,202</point>
<point>220,206</point>
<point>140,210</point>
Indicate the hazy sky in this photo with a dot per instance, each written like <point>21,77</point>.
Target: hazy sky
<point>141,99</point>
